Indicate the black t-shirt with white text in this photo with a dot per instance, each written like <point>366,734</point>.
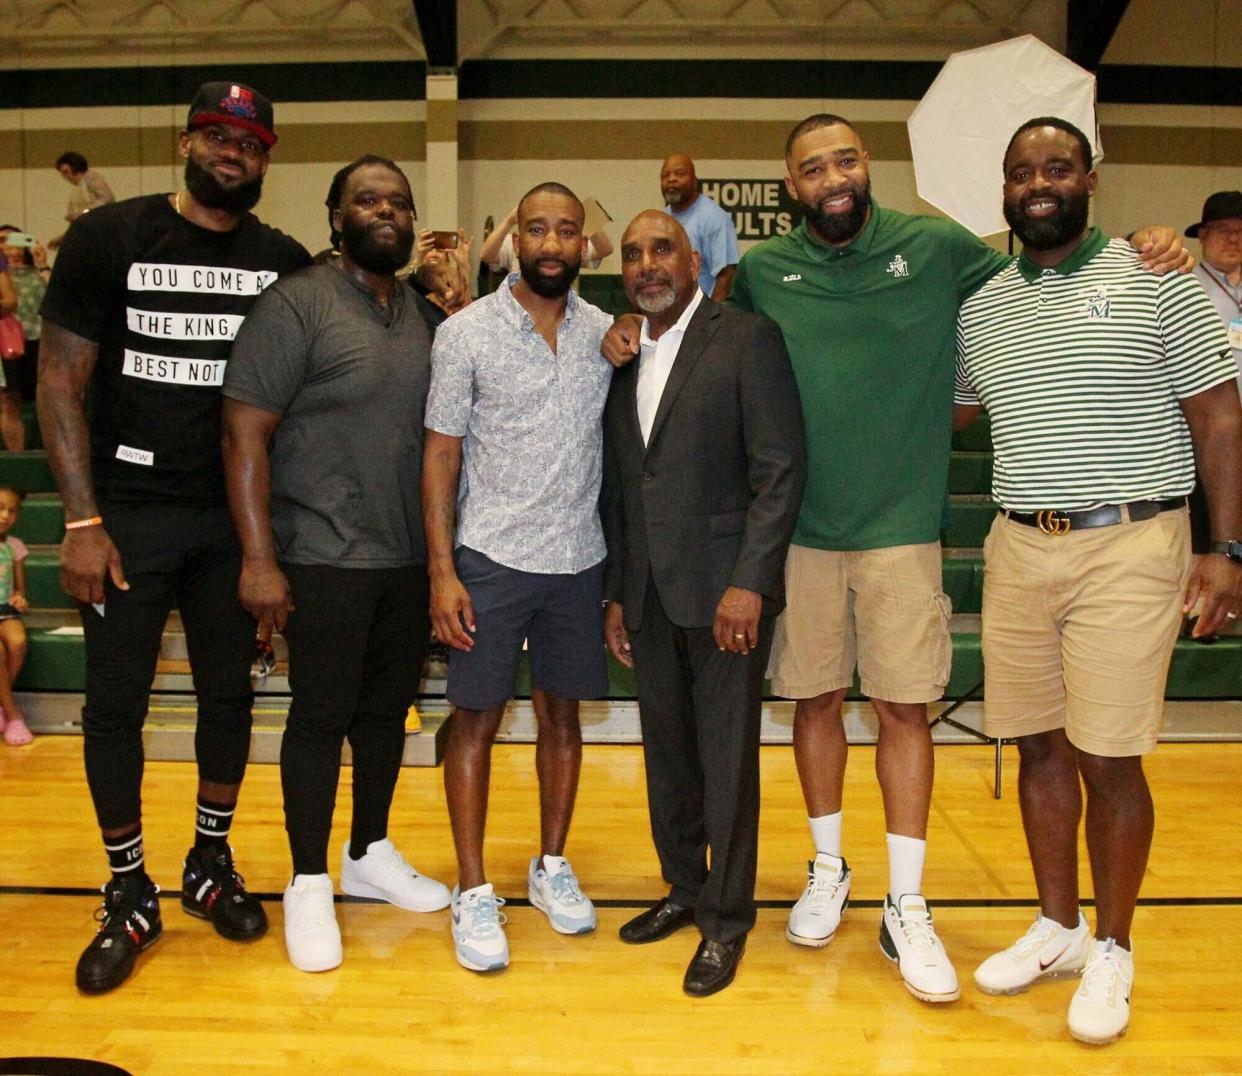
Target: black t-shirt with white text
<point>163,298</point>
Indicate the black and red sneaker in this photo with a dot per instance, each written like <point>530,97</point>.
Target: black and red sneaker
<point>129,923</point>
<point>211,889</point>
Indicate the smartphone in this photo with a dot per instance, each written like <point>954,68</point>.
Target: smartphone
<point>444,240</point>
<point>19,239</point>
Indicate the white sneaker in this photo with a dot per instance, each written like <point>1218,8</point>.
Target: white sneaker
<point>478,929</point>
<point>908,938</point>
<point>383,874</point>
<point>312,935</point>
<point>1046,951</point>
<point>815,918</point>
<point>553,889</point>
<point>1100,1011</point>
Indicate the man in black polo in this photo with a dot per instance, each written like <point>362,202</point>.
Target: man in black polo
<point>323,428</point>
<point>143,303</point>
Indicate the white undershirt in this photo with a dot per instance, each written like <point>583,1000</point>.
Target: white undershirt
<point>655,360</point>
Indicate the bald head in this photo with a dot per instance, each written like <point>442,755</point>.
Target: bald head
<point>679,160</point>
<point>659,268</point>
<point>678,182</point>
<point>653,222</point>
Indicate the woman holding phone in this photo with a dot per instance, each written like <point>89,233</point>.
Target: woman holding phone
<point>28,271</point>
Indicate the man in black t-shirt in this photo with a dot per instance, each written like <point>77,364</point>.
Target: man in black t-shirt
<point>146,296</point>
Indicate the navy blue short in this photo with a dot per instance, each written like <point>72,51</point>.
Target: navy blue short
<point>561,618</point>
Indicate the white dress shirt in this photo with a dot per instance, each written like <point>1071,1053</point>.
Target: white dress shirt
<point>655,360</point>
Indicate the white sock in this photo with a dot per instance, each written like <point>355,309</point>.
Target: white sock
<point>905,865</point>
<point>553,864</point>
<point>826,833</point>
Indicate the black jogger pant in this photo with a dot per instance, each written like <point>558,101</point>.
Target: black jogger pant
<point>179,555</point>
<point>357,641</point>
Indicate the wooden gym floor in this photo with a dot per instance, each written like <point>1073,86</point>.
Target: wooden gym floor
<point>591,1004</point>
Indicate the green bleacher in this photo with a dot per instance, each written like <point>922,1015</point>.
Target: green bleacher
<point>56,661</point>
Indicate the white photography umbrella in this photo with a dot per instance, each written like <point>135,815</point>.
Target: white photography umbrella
<point>959,131</point>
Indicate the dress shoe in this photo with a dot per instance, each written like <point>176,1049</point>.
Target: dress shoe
<point>656,923</point>
<point>713,967</point>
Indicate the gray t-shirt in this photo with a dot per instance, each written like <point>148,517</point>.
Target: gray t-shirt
<point>349,379</point>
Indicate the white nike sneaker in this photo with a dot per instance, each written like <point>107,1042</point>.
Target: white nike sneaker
<point>1046,951</point>
<point>478,929</point>
<point>814,919</point>
<point>553,888</point>
<point>312,934</point>
<point>383,874</point>
<point>908,938</point>
<point>1100,1010</point>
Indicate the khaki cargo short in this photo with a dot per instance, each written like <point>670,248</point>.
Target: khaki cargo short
<point>882,610</point>
<point>1078,630</point>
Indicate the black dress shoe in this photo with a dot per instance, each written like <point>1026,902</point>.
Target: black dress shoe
<point>713,967</point>
<point>656,923</point>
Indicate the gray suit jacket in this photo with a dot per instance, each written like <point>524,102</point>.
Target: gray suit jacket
<point>711,501</point>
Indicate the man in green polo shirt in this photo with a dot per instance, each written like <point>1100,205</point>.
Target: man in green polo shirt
<point>867,298</point>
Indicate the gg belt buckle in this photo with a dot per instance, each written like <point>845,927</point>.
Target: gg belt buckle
<point>1050,522</point>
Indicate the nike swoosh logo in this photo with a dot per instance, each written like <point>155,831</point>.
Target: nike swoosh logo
<point>1045,967</point>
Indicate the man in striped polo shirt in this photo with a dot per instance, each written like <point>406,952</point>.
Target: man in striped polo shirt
<point>1103,382</point>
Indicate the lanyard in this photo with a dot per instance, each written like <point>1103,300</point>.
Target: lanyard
<point>1220,284</point>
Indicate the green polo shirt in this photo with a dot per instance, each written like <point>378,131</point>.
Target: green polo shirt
<point>870,332</point>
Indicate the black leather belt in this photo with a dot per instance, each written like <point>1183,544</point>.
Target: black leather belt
<point>1052,521</point>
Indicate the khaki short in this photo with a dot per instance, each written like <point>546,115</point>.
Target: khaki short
<point>883,610</point>
<point>1078,630</point>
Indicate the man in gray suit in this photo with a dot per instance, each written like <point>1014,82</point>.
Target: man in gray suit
<point>704,467</point>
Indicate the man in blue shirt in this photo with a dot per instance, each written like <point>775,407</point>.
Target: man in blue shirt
<point>710,228</point>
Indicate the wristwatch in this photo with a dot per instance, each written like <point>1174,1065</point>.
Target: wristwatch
<point>1231,549</point>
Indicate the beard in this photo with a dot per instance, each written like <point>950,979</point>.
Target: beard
<point>1048,233</point>
<point>371,254</point>
<point>548,287</point>
<point>838,227</point>
<point>655,302</point>
<point>205,189</point>
<point>673,199</point>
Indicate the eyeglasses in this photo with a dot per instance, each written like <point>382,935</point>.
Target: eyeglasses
<point>1222,231</point>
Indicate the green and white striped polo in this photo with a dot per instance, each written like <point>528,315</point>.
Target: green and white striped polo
<point>1081,368</point>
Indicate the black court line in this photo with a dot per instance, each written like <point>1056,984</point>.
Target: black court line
<point>521,902</point>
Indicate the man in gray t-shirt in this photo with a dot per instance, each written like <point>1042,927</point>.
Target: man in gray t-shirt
<point>324,398</point>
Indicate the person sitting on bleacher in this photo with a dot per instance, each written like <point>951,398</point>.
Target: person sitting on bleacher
<point>12,604</point>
